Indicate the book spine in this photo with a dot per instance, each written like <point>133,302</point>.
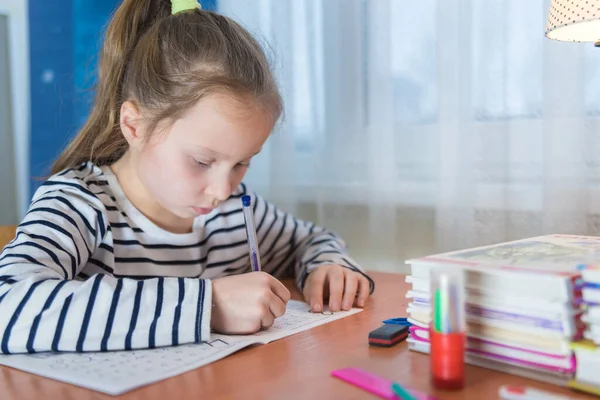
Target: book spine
<point>575,290</point>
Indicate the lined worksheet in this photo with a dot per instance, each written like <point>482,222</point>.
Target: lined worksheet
<point>120,371</point>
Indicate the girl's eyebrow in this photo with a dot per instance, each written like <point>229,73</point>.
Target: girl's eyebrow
<point>207,150</point>
<point>216,153</point>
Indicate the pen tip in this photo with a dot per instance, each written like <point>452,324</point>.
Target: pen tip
<point>246,200</point>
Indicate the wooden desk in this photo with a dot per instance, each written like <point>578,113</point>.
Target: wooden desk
<point>296,367</point>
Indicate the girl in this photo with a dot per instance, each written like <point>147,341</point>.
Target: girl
<point>137,240</point>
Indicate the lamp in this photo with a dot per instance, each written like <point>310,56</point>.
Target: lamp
<point>574,21</point>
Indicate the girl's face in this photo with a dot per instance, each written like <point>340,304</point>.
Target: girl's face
<point>196,163</point>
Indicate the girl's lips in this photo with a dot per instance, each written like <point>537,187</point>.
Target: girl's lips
<point>201,210</point>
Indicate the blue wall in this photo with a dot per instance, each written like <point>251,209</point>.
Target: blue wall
<point>65,36</point>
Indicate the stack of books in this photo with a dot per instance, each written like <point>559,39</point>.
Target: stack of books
<point>523,304</point>
<point>591,297</point>
<point>587,352</point>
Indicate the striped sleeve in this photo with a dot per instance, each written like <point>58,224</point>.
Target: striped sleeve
<point>290,246</point>
<point>43,308</point>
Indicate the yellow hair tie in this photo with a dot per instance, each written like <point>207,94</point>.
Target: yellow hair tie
<point>178,6</point>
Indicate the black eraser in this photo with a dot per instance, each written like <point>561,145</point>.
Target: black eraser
<point>388,331</point>
<point>388,335</point>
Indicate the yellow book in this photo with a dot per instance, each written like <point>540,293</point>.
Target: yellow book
<point>587,378</point>
<point>584,387</point>
<point>586,345</point>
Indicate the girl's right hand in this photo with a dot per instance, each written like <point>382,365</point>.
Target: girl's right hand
<point>244,304</point>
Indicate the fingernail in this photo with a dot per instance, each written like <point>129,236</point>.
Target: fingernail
<point>335,306</point>
<point>317,307</point>
<point>347,306</point>
<point>361,303</point>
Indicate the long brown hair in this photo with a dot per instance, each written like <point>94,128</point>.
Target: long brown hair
<point>165,63</point>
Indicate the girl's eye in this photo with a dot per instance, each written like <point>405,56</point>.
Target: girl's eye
<point>208,164</point>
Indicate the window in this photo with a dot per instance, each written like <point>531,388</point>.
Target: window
<point>14,112</point>
<point>507,43</point>
<point>413,40</point>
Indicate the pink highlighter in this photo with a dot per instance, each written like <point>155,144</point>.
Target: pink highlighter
<point>375,384</point>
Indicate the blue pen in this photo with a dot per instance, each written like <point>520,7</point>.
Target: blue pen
<point>251,233</point>
<point>398,321</point>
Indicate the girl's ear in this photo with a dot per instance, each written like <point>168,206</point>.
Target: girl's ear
<point>130,123</point>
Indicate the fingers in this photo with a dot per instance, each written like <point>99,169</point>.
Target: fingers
<point>275,303</point>
<point>335,277</point>
<point>363,291</point>
<point>279,289</point>
<point>343,287</point>
<point>271,307</point>
<point>276,306</point>
<point>350,288</point>
<point>314,290</point>
<point>267,319</point>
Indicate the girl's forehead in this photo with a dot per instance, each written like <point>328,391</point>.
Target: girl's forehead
<point>224,126</point>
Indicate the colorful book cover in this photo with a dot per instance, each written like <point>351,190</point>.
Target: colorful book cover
<point>562,255</point>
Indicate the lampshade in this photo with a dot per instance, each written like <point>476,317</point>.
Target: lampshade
<point>574,21</point>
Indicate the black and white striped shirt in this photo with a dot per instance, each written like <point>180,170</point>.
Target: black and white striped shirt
<point>88,272</point>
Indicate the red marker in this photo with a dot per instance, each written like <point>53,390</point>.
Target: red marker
<point>447,331</point>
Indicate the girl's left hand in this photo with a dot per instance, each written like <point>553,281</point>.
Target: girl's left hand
<point>343,286</point>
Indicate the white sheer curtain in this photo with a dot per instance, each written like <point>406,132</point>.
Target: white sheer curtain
<point>422,126</point>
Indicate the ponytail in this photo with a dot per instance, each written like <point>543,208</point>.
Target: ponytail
<point>165,63</point>
<point>100,139</point>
